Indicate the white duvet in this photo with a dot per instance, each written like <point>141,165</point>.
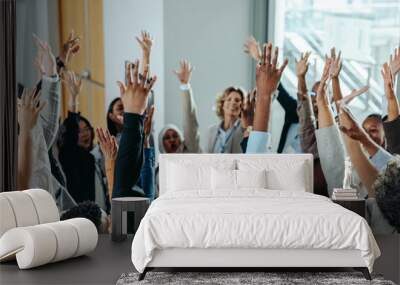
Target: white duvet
<point>250,219</point>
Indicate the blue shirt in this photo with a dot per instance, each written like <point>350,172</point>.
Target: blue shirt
<point>380,159</point>
<point>223,137</point>
<point>259,142</point>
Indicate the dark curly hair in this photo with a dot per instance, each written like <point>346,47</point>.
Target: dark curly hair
<point>88,209</point>
<point>387,192</point>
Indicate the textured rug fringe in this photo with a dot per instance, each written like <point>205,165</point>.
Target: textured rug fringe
<point>244,278</point>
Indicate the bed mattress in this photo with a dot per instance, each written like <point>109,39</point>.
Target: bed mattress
<point>250,219</point>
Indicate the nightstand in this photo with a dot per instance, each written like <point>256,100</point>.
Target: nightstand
<point>120,208</point>
<point>357,206</point>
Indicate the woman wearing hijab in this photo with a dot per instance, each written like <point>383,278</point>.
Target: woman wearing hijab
<point>171,139</point>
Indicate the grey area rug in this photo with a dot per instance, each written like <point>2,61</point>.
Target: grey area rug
<point>232,278</point>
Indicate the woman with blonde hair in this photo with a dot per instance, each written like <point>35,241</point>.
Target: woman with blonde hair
<point>225,136</point>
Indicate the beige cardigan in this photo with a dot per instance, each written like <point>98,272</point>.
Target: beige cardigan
<point>43,136</point>
<point>191,135</point>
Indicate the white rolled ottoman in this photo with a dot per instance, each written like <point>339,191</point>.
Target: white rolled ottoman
<point>31,230</point>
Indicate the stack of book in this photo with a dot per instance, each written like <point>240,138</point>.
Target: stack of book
<point>345,194</point>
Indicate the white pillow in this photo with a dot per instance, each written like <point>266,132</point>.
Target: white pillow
<point>223,179</point>
<point>183,177</point>
<point>282,174</point>
<point>184,174</point>
<point>251,178</point>
<point>235,179</point>
<point>280,180</point>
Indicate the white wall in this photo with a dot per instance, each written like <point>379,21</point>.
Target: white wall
<point>208,33</point>
<point>39,17</point>
<point>123,20</point>
<point>211,35</point>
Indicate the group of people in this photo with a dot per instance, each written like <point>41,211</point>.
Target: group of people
<point>82,176</point>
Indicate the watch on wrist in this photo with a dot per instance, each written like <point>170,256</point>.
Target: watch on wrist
<point>185,87</point>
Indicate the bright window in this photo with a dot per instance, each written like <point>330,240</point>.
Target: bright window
<point>366,31</point>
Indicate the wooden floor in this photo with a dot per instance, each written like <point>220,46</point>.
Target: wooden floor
<point>110,259</point>
<point>388,264</point>
<point>103,266</point>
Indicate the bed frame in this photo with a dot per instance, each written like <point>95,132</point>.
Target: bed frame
<point>249,259</point>
<point>246,259</point>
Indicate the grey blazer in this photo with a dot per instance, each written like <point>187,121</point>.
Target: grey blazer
<point>233,144</point>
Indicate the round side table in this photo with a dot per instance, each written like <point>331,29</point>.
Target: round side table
<point>119,209</point>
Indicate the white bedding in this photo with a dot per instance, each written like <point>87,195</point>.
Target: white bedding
<point>252,218</point>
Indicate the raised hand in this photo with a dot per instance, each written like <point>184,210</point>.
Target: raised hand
<point>388,81</point>
<point>135,94</point>
<point>145,42</point>
<point>302,64</point>
<point>394,62</point>
<point>393,104</point>
<point>301,71</point>
<point>70,48</point>
<point>45,60</point>
<point>29,107</point>
<point>325,115</point>
<point>336,64</point>
<point>74,87</point>
<point>248,108</point>
<point>108,144</point>
<point>354,93</point>
<point>349,126</point>
<point>185,72</point>
<point>252,48</point>
<point>268,74</point>
<point>322,99</point>
<point>73,82</point>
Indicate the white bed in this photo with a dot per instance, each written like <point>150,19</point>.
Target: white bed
<point>215,211</point>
